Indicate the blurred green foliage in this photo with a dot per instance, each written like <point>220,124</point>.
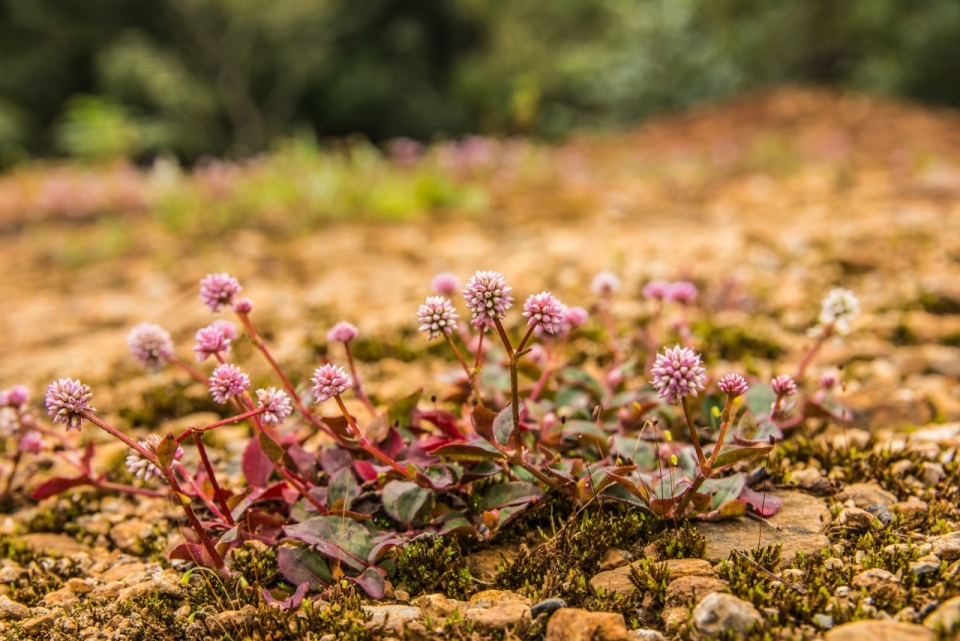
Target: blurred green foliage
<point>212,77</point>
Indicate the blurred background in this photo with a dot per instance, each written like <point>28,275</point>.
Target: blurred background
<point>192,79</point>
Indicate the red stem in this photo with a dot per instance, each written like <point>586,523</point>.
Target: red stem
<point>217,492</point>
<point>195,522</point>
<point>366,445</point>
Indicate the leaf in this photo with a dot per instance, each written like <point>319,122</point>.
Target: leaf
<point>57,484</point>
<point>482,420</point>
<point>582,379</point>
<point>399,412</point>
<point>763,503</point>
<point>445,421</point>
<point>636,450</point>
<point>167,451</point>
<point>737,454</point>
<point>454,523</point>
<point>365,470</point>
<point>304,462</point>
<point>342,487</point>
<point>506,494</point>
<point>230,539</point>
<point>725,489</point>
<point>439,477</point>
<point>303,566</point>
<point>336,537</point>
<point>192,552</point>
<point>334,459</point>
<point>711,403</point>
<point>270,447</point>
<point>476,450</point>
<point>503,426</point>
<point>760,399</point>
<point>256,464</point>
<point>748,431</point>
<point>371,581</point>
<point>291,602</point>
<point>404,501</point>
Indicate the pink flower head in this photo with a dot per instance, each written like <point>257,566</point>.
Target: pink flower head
<point>217,290</point>
<point>243,305</point>
<point>683,292</point>
<point>211,341</point>
<point>784,385</point>
<point>328,381</point>
<point>437,315</point>
<point>488,297</point>
<point>678,372</point>
<point>276,405</point>
<point>142,468</point>
<point>150,344</point>
<point>445,284</point>
<point>829,380</point>
<point>733,385</point>
<point>656,289</point>
<point>227,381</point>
<point>67,400</point>
<point>342,332</point>
<point>575,316</point>
<point>31,442</point>
<point>15,397</point>
<point>229,329</point>
<point>544,311</point>
<point>605,283</point>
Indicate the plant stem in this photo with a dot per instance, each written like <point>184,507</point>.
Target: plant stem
<point>194,521</point>
<point>217,492</point>
<point>725,419</point>
<point>226,421</point>
<point>13,472</point>
<point>357,388</point>
<point>693,431</point>
<point>128,489</point>
<point>173,360</point>
<point>366,445</point>
<point>514,385</point>
<point>805,363</point>
<point>471,375</point>
<point>109,429</point>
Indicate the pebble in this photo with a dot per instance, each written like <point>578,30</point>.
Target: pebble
<point>548,605</point>
<point>910,508</point>
<point>391,617</point>
<point>235,620</point>
<point>615,558</point>
<point>573,624</point>
<point>499,617</point>
<point>719,613</point>
<point>879,584</point>
<point>11,610</point>
<point>929,564</point>
<point>865,495</point>
<point>870,629</point>
<point>129,535</point>
<point>947,546</point>
<point>490,598</point>
<point>435,606</point>
<point>618,581</point>
<point>823,621</point>
<point>946,616</point>
<point>855,518</point>
<point>646,635</point>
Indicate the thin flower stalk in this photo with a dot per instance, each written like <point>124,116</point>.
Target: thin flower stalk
<point>366,445</point>
<point>357,387</point>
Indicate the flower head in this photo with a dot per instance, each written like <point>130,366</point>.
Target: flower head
<point>15,397</point>
<point>838,308</point>
<point>544,311</point>
<point>67,400</point>
<point>829,380</point>
<point>488,297</point>
<point>31,442</point>
<point>575,316</point>
<point>229,329</point>
<point>678,372</point>
<point>437,315</point>
<point>683,292</point>
<point>445,284</point>
<point>733,385</point>
<point>211,341</point>
<point>656,289</point>
<point>150,344</point>
<point>227,381</point>
<point>328,381</point>
<point>342,332</point>
<point>605,283</point>
<point>275,404</point>
<point>242,305</point>
<point>142,468</point>
<point>784,385</point>
<point>217,290</point>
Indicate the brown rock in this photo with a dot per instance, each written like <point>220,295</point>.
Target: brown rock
<point>129,535</point>
<point>483,564</point>
<point>865,495</point>
<point>242,620</point>
<point>680,568</point>
<point>614,558</point>
<point>855,518</point>
<point>435,606</point>
<point>798,526</point>
<point>490,598</point>
<point>38,624</point>
<point>11,610</point>
<point>618,581</point>
<point>947,546</point>
<point>911,508</point>
<point>53,544</point>
<point>122,572</point>
<point>64,597</point>
<point>499,617</point>
<point>392,617</point>
<point>691,589</point>
<point>166,583</point>
<point>721,613</point>
<point>879,584</point>
<point>946,617</point>
<point>875,630</point>
<point>572,624</point>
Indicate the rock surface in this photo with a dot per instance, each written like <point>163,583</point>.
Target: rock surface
<point>946,617</point>
<point>500,617</point>
<point>873,630</point>
<point>572,624</point>
<point>721,613</point>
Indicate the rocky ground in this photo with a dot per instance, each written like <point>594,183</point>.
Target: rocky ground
<point>765,203</point>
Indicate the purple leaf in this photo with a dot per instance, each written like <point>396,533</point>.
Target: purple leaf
<point>763,503</point>
<point>335,459</point>
<point>336,537</point>
<point>372,582</point>
<point>507,494</point>
<point>192,552</point>
<point>291,602</point>
<point>57,484</point>
<point>482,420</point>
<point>303,566</point>
<point>255,464</point>
<point>476,450</point>
<point>304,461</point>
<point>405,501</point>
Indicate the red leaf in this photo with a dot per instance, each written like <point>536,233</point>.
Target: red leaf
<point>56,485</point>
<point>192,552</point>
<point>365,470</point>
<point>256,465</point>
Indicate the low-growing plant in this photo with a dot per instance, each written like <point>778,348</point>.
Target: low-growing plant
<point>520,427</point>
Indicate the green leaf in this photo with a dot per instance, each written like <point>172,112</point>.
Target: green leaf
<point>635,449</point>
<point>477,450</point>
<point>405,501</point>
<point>724,490</point>
<point>336,537</point>
<point>503,426</point>
<point>507,494</point>
<point>301,564</point>
<point>399,411</point>
<point>759,399</point>
<point>270,447</point>
<point>737,454</point>
<point>583,379</point>
<point>342,487</point>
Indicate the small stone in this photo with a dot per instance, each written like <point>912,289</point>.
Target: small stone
<point>182,613</point>
<point>932,473</point>
<point>925,565</point>
<point>237,620</point>
<point>947,546</point>
<point>11,610</point>
<point>499,617</point>
<point>646,635</point>
<point>391,617</point>
<point>806,478</point>
<point>865,495</point>
<point>166,583</point>
<point>548,606</point>
<point>129,535</point>
<point>121,571</point>
<point>901,468</point>
<point>879,630</point>
<point>64,597</point>
<point>691,589</point>
<point>483,565</point>
<point>855,518</point>
<point>402,596</point>
<point>52,544</point>
<point>946,617</point>
<point>79,586</point>
<point>490,598</point>
<point>108,590</point>
<point>879,584</point>
<point>823,621</point>
<point>618,581</point>
<point>833,564</point>
<point>573,624</point>
<point>910,509</point>
<point>11,574</point>
<point>843,591</point>
<point>720,612</point>
<point>38,624</point>
<point>614,558</point>
<point>435,606</point>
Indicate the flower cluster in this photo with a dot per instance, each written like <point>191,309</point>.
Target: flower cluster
<point>488,298</point>
<point>276,405</point>
<point>329,381</point>
<point>342,332</point>
<point>150,344</point>
<point>683,292</point>
<point>839,307</point>
<point>217,290</point>
<point>445,284</point>
<point>784,385</point>
<point>544,311</point>
<point>67,400</point>
<point>141,467</point>
<point>678,373</point>
<point>211,341</point>
<point>733,385</point>
<point>605,283</point>
<point>227,382</point>
<point>437,315</point>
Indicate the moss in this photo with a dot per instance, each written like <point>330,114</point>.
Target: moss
<point>685,542</point>
<point>437,566</point>
<point>938,304</point>
<point>172,400</point>
<point>60,517</point>
<point>733,343</point>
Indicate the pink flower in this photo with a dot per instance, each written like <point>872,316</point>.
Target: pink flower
<point>678,372</point>
<point>575,316</point>
<point>150,344</point>
<point>605,283</point>
<point>342,332</point>
<point>31,442</point>
<point>142,468</point>
<point>437,315</point>
<point>243,305</point>
<point>544,311</point>
<point>784,385</point>
<point>67,400</point>
<point>227,381</point>
<point>229,329</point>
<point>276,405</point>
<point>217,290</point>
<point>15,397</point>
<point>488,297</point>
<point>656,289</point>
<point>328,381</point>
<point>683,292</point>
<point>211,341</point>
<point>733,385</point>
<point>445,284</point>
<point>829,380</point>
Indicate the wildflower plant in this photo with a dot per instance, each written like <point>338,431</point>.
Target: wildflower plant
<point>520,422</point>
